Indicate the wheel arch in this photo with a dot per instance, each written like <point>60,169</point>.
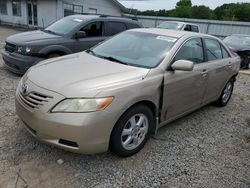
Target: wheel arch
<point>55,49</point>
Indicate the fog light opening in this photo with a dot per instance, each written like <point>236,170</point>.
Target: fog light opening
<point>68,143</point>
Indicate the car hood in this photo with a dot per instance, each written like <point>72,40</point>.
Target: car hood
<point>27,38</point>
<point>82,74</point>
<point>237,48</point>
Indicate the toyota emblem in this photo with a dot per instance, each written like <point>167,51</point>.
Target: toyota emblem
<point>24,89</point>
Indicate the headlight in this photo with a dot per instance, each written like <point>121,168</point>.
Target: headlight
<point>23,50</point>
<point>82,105</point>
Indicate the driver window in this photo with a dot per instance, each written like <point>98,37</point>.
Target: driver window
<point>192,50</point>
<point>93,29</point>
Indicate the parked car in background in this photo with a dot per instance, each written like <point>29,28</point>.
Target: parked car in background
<point>179,26</point>
<point>69,35</point>
<point>116,94</point>
<point>240,44</point>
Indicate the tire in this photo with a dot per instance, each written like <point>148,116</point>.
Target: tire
<point>226,94</point>
<point>132,131</point>
<point>53,55</point>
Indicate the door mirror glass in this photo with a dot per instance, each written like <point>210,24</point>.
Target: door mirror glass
<point>183,65</point>
<point>80,34</point>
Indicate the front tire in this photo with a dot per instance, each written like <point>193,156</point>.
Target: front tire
<point>132,131</point>
<point>226,94</point>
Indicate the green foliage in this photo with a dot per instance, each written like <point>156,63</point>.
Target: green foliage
<point>184,9</point>
<point>202,12</point>
<point>184,3</point>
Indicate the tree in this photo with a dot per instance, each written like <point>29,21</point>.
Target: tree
<point>201,12</point>
<point>184,3</point>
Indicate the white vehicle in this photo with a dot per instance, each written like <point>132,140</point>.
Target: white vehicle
<point>179,26</point>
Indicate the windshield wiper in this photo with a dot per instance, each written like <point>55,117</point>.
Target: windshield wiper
<point>114,59</point>
<point>49,31</point>
<point>110,58</point>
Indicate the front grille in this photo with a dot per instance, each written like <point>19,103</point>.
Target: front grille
<point>34,100</point>
<point>10,47</point>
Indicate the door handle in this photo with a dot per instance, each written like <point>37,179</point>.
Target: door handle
<point>230,65</point>
<point>204,73</point>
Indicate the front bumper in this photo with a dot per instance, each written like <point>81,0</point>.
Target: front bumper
<point>86,133</point>
<point>19,63</point>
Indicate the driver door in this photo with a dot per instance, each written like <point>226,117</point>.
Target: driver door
<point>184,90</point>
<point>94,35</point>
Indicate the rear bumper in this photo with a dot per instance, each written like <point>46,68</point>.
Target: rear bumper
<point>18,63</point>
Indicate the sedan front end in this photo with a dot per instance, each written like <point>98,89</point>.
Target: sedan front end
<point>49,120</point>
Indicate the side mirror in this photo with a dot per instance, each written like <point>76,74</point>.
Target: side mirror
<point>183,65</point>
<point>80,34</point>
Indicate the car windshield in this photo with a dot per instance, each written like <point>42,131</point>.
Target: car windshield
<point>64,26</point>
<point>237,40</point>
<point>170,25</point>
<point>135,48</point>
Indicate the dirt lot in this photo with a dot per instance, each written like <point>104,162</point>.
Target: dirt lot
<point>208,148</point>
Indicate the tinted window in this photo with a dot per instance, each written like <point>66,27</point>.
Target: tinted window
<point>132,26</point>
<point>112,28</point>
<point>93,29</point>
<point>195,28</point>
<point>192,51</point>
<point>187,28</point>
<point>213,49</point>
<point>224,52</point>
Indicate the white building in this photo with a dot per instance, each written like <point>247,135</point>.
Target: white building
<point>40,13</point>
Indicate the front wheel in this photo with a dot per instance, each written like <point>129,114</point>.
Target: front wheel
<point>131,131</point>
<point>226,94</point>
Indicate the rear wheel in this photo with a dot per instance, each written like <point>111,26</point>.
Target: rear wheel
<point>132,131</point>
<point>226,93</point>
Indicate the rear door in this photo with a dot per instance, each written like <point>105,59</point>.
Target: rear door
<point>218,68</point>
<point>184,90</point>
<point>112,28</point>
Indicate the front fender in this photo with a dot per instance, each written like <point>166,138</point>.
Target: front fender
<point>53,48</point>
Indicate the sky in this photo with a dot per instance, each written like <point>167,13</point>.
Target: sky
<point>170,4</point>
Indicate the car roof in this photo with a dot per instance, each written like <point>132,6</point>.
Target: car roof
<point>94,16</point>
<point>240,35</point>
<point>171,33</point>
<point>180,22</point>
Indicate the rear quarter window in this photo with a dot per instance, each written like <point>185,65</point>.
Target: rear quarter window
<point>195,28</point>
<point>213,49</point>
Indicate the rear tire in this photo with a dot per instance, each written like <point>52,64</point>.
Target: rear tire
<point>132,131</point>
<point>226,94</point>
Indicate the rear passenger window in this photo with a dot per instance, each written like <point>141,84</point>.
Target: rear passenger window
<point>213,49</point>
<point>132,26</point>
<point>112,28</point>
<point>192,51</point>
<point>224,53</point>
<point>194,28</point>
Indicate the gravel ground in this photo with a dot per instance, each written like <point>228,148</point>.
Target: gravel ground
<point>208,148</point>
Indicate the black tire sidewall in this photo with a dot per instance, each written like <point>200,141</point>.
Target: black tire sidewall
<point>220,102</point>
<point>115,140</point>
